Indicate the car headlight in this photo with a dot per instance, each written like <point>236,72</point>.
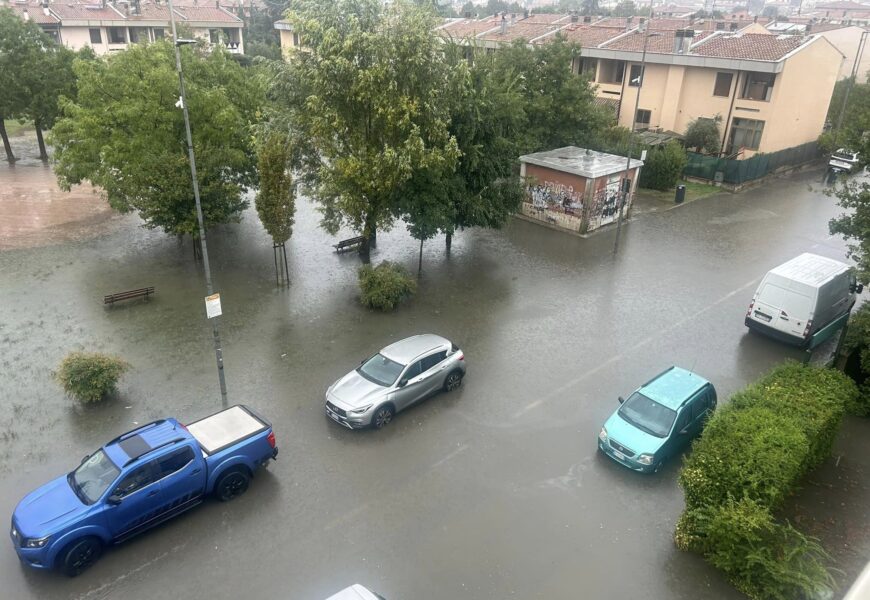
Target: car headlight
<point>602,435</point>
<point>359,411</point>
<point>645,459</point>
<point>36,543</point>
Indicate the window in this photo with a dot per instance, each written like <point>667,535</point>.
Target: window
<point>136,480</point>
<point>159,33</point>
<point>746,133</point>
<point>214,36</point>
<point>296,41</point>
<point>93,477</point>
<point>96,38</point>
<point>175,461</point>
<point>635,77</point>
<point>413,370</point>
<point>611,71</point>
<point>758,86</point>
<point>588,66</point>
<point>138,34</point>
<point>642,118</point>
<point>699,405</point>
<point>720,26</point>
<point>381,370</point>
<point>431,361</point>
<point>723,84</point>
<point>117,35</point>
<point>682,420</point>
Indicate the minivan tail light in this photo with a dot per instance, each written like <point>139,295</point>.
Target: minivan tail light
<point>462,357</point>
<point>271,438</point>
<point>749,310</point>
<point>808,327</point>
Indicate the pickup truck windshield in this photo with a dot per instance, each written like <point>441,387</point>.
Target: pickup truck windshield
<point>93,477</point>
<point>648,415</point>
<point>381,370</point>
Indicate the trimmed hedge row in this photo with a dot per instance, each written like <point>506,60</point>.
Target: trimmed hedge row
<point>752,456</point>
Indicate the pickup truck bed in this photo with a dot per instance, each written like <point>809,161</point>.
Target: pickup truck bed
<point>136,481</point>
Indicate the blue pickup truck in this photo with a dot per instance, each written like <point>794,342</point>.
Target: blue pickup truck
<point>137,481</point>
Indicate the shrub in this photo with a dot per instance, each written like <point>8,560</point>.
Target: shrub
<point>90,376</point>
<point>752,455</point>
<point>663,167</point>
<point>703,135</point>
<point>385,286</point>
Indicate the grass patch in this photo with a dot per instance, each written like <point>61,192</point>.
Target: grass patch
<point>694,191</point>
<point>16,128</point>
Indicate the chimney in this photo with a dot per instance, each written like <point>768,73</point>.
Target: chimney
<point>467,14</point>
<point>808,28</point>
<point>504,24</point>
<point>587,19</point>
<point>733,26</point>
<point>26,14</point>
<point>575,18</point>
<point>217,3</point>
<point>755,19</point>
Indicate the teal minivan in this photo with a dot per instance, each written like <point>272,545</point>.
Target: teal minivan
<point>658,420</point>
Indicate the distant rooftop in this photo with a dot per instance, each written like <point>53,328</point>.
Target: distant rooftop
<point>580,161</point>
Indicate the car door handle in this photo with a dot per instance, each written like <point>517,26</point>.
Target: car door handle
<point>195,471</point>
<point>152,493</point>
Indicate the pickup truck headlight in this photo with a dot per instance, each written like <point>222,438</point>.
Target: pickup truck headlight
<point>359,411</point>
<point>645,459</point>
<point>602,435</point>
<point>36,543</point>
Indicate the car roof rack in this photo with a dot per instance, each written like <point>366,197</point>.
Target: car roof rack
<point>150,449</point>
<point>671,368</point>
<point>133,432</point>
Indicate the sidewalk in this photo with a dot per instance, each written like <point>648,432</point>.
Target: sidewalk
<point>651,201</point>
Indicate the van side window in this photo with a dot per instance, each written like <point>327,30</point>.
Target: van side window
<point>683,419</point>
<point>700,405</point>
<point>431,361</point>
<point>136,480</point>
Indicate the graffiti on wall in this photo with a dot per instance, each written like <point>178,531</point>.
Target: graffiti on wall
<point>556,196</point>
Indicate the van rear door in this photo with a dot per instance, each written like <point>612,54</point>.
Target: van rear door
<point>783,309</point>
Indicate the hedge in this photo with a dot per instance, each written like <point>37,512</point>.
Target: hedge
<point>90,376</point>
<point>752,455</point>
<point>384,287</point>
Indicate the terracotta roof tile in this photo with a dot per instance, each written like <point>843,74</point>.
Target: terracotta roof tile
<point>468,28</point>
<point>590,36</point>
<point>519,30</point>
<point>663,43</point>
<point>749,46</point>
<point>35,13</point>
<point>209,14</point>
<point>842,6</point>
<point>86,12</point>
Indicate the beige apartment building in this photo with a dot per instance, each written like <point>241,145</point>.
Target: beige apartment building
<point>112,26</point>
<point>770,91</point>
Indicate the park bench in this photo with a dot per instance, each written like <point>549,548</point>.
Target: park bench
<point>349,244</point>
<point>143,292</point>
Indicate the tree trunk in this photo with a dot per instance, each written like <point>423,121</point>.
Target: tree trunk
<point>370,239</point>
<point>448,241</point>
<point>9,156</point>
<point>43,155</point>
<point>420,260</point>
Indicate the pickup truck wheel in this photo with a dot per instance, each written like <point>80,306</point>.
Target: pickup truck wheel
<point>80,555</point>
<point>232,484</point>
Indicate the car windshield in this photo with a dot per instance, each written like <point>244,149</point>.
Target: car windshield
<point>381,370</point>
<point>648,415</point>
<point>93,477</point>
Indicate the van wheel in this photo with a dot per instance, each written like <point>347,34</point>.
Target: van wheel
<point>80,556</point>
<point>232,484</point>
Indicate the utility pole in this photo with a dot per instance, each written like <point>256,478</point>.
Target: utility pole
<point>183,101</point>
<point>625,184</point>
<point>858,55</point>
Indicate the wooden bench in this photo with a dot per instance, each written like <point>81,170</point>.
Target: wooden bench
<point>349,244</point>
<point>143,292</point>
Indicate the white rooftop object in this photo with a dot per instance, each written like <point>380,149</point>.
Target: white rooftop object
<point>580,161</point>
<point>224,428</point>
<point>810,269</point>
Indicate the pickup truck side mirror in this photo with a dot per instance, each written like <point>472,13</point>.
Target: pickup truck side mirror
<point>403,383</point>
<point>114,500</point>
<point>621,399</point>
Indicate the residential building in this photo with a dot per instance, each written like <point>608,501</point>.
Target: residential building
<point>770,91</point>
<point>846,38</point>
<point>113,26</point>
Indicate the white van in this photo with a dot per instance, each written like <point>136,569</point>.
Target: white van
<point>800,297</point>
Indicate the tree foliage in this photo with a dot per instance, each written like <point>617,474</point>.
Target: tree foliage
<point>125,134</point>
<point>855,119</point>
<point>663,166</point>
<point>386,286</point>
<point>703,135</point>
<point>90,376</point>
<point>274,201</point>
<point>366,103</point>
<point>854,224</point>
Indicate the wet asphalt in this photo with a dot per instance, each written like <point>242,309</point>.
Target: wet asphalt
<point>493,491</point>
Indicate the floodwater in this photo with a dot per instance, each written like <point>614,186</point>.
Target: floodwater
<point>493,491</point>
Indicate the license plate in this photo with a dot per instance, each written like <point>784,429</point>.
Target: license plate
<point>619,455</point>
<point>763,316</point>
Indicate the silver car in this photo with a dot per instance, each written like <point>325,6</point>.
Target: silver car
<point>393,379</point>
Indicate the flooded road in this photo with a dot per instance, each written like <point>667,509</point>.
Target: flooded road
<point>493,491</point>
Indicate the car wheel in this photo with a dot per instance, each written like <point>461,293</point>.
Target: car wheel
<point>658,466</point>
<point>383,415</point>
<point>453,381</point>
<point>80,556</point>
<point>232,484</point>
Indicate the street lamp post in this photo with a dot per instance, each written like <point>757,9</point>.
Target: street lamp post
<point>854,75</point>
<point>624,195</point>
<point>183,100</point>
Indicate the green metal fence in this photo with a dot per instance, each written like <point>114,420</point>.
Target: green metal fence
<point>741,171</point>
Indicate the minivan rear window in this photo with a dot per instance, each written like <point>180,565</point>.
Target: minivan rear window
<point>780,298</point>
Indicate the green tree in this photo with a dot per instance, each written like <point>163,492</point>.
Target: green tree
<point>125,134</point>
<point>261,37</point>
<point>559,106</point>
<point>274,201</point>
<point>626,8</point>
<point>854,224</point>
<point>366,102</point>
<point>853,119</point>
<point>663,166</point>
<point>703,135</point>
